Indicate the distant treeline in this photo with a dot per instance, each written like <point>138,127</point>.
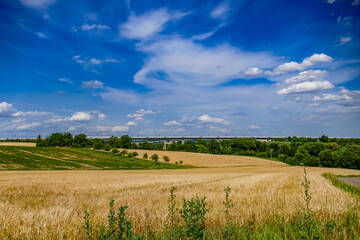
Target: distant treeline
<point>81,141</point>
<point>321,152</point>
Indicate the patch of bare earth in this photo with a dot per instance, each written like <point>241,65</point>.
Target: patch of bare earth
<point>18,144</point>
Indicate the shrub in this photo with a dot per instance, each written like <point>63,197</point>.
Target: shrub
<point>145,156</point>
<point>193,214</point>
<point>154,157</point>
<point>166,159</point>
<point>181,162</point>
<point>114,151</point>
<point>135,154</point>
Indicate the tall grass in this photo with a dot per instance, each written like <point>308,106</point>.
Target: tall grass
<point>190,222</point>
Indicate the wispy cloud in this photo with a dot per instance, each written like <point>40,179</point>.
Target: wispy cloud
<point>94,84</point>
<point>92,27</point>
<point>37,4</point>
<point>220,11</point>
<point>172,123</point>
<point>146,25</point>
<point>28,126</point>
<point>62,79</point>
<point>207,119</point>
<point>186,62</point>
<point>344,40</point>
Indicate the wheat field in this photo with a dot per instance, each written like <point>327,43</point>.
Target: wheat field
<point>50,204</point>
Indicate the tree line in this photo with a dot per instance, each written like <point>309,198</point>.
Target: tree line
<point>316,152</point>
<point>321,152</point>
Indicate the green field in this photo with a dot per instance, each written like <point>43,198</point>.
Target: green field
<point>48,158</point>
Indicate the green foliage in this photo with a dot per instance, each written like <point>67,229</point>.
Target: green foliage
<point>145,156</point>
<point>118,227</point>
<point>193,215</point>
<point>115,151</point>
<point>154,157</point>
<point>166,159</point>
<point>342,185</point>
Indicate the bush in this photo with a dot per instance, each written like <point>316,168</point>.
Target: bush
<point>145,156</point>
<point>118,227</point>
<point>114,151</point>
<point>166,159</point>
<point>154,157</point>
<point>193,214</point>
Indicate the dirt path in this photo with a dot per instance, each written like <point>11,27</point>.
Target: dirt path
<point>354,181</point>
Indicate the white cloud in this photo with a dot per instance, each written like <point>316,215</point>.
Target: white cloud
<point>203,36</point>
<point>131,123</point>
<point>345,20</point>
<point>30,114</point>
<point>252,126</point>
<point>331,97</point>
<point>186,62</point>
<point>207,119</point>
<point>306,63</point>
<point>62,79</point>
<point>219,129</point>
<point>331,1</point>
<point>101,116</point>
<point>253,71</point>
<point>6,109</point>
<point>306,87</point>
<point>344,40</point>
<point>87,27</point>
<point>70,129</point>
<point>79,116</point>
<point>108,128</point>
<point>94,84</point>
<point>41,35</point>
<point>172,123</point>
<point>309,75</point>
<point>140,113</point>
<point>90,63</point>
<point>146,25</point>
<point>37,4</point>
<point>344,95</point>
<point>220,11</point>
<point>355,3</point>
<point>28,126</point>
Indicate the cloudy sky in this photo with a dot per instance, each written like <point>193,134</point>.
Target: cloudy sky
<point>178,68</point>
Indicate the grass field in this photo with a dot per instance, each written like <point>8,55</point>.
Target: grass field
<point>50,204</point>
<point>43,158</point>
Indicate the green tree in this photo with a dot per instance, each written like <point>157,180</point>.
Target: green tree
<point>145,156</point>
<point>154,157</point>
<point>39,141</point>
<point>125,141</point>
<point>80,141</point>
<point>214,146</point>
<point>166,159</point>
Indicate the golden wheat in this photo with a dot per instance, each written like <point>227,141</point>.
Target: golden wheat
<point>50,204</point>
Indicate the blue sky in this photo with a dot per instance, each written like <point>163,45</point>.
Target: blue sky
<point>178,68</point>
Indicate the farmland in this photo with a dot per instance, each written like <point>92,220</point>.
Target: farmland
<point>50,204</point>
<point>29,158</point>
